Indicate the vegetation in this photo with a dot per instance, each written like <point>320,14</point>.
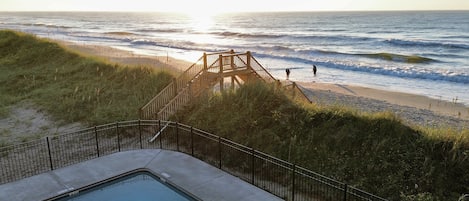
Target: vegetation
<point>71,87</point>
<point>374,152</point>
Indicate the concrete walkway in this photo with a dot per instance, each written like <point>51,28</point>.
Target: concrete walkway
<point>194,176</point>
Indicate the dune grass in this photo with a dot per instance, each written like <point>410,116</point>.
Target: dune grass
<point>71,87</point>
<point>375,152</point>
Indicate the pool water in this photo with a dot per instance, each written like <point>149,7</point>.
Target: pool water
<point>140,186</point>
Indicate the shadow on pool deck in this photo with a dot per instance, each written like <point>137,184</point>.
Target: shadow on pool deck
<point>194,176</point>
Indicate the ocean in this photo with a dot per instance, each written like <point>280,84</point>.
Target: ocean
<point>419,52</point>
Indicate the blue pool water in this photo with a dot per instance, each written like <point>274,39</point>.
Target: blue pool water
<point>141,186</point>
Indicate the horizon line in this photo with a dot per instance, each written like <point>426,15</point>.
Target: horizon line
<point>268,11</point>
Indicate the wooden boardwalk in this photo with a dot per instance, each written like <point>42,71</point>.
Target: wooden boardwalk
<point>220,70</point>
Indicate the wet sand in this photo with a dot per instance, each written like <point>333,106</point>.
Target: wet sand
<point>415,109</point>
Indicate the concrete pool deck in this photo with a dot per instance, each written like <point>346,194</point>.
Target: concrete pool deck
<point>194,176</point>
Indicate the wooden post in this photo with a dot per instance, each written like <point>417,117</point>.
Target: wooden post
<point>220,73</point>
<point>205,61</point>
<point>248,58</point>
<point>232,66</point>
<point>232,82</point>
<point>190,91</point>
<point>293,89</point>
<point>175,87</point>
<point>232,60</point>
<point>140,114</point>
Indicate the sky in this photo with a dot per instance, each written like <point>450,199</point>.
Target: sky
<point>219,6</point>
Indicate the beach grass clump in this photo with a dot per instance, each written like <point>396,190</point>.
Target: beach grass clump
<point>375,152</point>
<point>71,87</point>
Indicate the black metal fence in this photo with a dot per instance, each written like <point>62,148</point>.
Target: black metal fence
<point>281,178</point>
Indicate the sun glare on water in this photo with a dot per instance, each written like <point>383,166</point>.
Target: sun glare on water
<point>201,21</point>
<point>199,27</point>
<point>204,24</point>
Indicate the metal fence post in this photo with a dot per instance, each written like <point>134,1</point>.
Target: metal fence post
<point>192,141</point>
<point>345,192</point>
<point>50,154</point>
<point>252,166</point>
<point>219,152</point>
<point>177,136</point>
<point>140,133</point>
<point>118,139</point>
<point>96,140</point>
<point>293,183</point>
<point>159,128</point>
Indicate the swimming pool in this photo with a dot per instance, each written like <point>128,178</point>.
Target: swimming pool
<point>138,186</point>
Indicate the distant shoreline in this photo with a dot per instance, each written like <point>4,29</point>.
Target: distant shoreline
<point>379,50</point>
<point>428,111</point>
<point>234,12</point>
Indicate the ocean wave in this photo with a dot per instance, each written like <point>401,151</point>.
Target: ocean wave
<point>381,56</point>
<point>399,57</point>
<point>414,73</point>
<point>344,38</point>
<point>326,30</point>
<point>443,55</point>
<point>119,33</point>
<point>288,36</point>
<point>383,32</point>
<point>247,35</point>
<point>88,36</point>
<point>181,45</point>
<point>455,37</point>
<point>159,30</point>
<point>414,43</point>
<point>148,42</point>
<point>46,25</point>
<point>276,48</point>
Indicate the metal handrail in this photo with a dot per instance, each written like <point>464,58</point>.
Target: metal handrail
<point>159,132</point>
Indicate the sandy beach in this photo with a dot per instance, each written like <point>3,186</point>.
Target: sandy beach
<point>414,109</point>
<point>125,57</point>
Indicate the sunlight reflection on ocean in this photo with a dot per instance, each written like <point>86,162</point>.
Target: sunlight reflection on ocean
<point>417,52</point>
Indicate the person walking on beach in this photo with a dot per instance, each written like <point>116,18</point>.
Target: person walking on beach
<point>314,70</point>
<point>288,72</point>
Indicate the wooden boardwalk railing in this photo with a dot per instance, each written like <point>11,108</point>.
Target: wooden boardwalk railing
<point>209,70</point>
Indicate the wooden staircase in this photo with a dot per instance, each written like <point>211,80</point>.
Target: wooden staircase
<point>222,69</point>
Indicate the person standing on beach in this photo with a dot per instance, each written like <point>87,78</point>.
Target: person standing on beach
<point>288,72</point>
<point>314,70</point>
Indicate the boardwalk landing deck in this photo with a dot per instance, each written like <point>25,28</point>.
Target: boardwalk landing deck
<point>194,176</point>
<point>216,70</point>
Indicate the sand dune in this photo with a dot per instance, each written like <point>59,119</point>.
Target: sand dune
<point>416,109</point>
